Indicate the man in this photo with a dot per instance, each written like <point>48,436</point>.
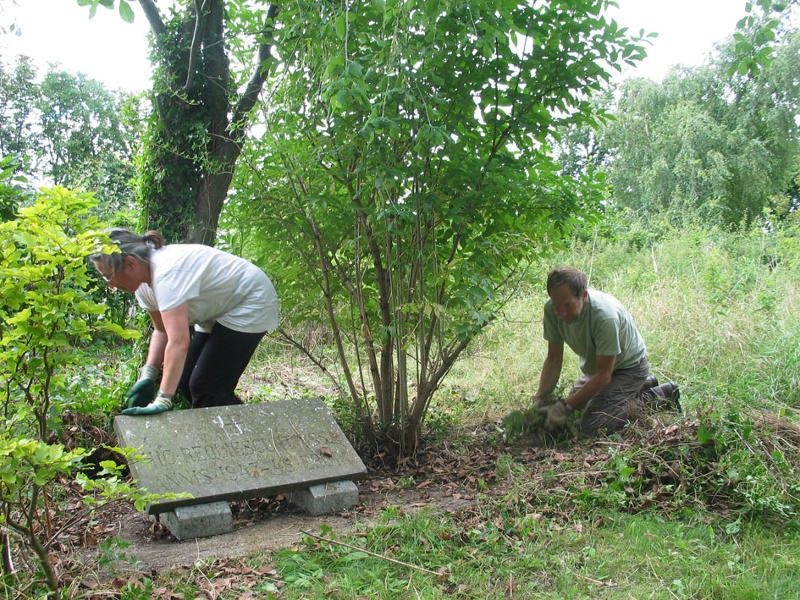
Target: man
<point>613,357</point>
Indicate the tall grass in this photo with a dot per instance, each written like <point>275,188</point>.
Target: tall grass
<point>717,318</point>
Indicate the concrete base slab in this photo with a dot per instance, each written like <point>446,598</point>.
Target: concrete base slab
<point>323,498</point>
<point>199,520</point>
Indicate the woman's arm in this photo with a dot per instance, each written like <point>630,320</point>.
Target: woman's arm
<point>158,341</point>
<point>174,327</point>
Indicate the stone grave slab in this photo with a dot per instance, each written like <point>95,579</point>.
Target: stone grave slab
<point>237,452</point>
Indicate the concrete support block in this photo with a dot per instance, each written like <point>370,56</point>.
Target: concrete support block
<point>323,498</point>
<point>199,520</point>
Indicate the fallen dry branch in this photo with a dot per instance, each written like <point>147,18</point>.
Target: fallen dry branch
<point>441,573</point>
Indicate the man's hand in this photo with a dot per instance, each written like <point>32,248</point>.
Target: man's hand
<point>141,394</point>
<point>162,403</point>
<point>542,401</point>
<point>556,415</point>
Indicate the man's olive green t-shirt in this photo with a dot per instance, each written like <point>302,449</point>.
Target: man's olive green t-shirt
<point>603,328</point>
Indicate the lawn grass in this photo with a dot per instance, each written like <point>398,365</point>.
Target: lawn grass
<point>498,555</point>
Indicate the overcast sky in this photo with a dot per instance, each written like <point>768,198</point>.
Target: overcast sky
<point>114,52</point>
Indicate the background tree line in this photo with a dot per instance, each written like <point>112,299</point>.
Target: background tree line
<point>60,128</point>
<point>706,143</point>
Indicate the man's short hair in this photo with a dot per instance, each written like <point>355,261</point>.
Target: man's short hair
<point>574,278</point>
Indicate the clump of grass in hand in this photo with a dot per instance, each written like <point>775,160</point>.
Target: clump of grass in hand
<point>519,423</point>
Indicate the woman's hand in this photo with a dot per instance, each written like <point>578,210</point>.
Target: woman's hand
<point>163,402</point>
<point>141,394</point>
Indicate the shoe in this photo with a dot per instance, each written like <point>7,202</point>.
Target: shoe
<point>649,383</point>
<point>668,396</point>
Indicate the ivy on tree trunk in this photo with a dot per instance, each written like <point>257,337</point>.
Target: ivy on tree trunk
<point>195,135</point>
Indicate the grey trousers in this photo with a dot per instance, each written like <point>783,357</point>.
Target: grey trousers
<point>611,407</point>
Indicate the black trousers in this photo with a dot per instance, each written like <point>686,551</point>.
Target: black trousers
<point>214,363</point>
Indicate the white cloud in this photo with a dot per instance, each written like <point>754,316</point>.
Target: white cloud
<point>59,31</point>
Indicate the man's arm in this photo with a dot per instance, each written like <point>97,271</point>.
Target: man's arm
<point>601,378</point>
<point>551,371</point>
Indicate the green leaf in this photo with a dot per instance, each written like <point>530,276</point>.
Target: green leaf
<point>625,473</point>
<point>704,434</point>
<point>125,11</point>
<point>335,66</point>
<point>745,66</point>
<point>342,96</point>
<point>341,26</point>
<point>432,9</point>
<point>354,69</point>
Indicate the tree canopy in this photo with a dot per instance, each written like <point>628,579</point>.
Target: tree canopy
<point>401,175</point>
<point>405,167</point>
<point>65,129</point>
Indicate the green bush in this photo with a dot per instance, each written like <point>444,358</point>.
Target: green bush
<point>47,321</point>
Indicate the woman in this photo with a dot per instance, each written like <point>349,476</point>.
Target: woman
<point>230,302</point>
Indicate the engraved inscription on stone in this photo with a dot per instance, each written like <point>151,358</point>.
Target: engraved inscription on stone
<point>238,452</point>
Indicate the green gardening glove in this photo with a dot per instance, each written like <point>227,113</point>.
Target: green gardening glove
<point>162,403</point>
<point>142,392</point>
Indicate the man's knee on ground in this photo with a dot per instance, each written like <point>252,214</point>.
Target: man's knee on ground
<point>594,421</point>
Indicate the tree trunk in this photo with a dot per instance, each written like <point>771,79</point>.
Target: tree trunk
<point>195,138</point>
<point>5,555</point>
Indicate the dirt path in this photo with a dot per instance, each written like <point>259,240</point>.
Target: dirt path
<point>281,531</point>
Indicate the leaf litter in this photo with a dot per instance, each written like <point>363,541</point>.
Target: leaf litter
<point>655,464</point>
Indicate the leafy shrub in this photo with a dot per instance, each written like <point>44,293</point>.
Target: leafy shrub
<point>46,316</point>
<point>46,321</point>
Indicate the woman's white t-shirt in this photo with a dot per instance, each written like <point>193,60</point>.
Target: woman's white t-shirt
<point>216,286</point>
